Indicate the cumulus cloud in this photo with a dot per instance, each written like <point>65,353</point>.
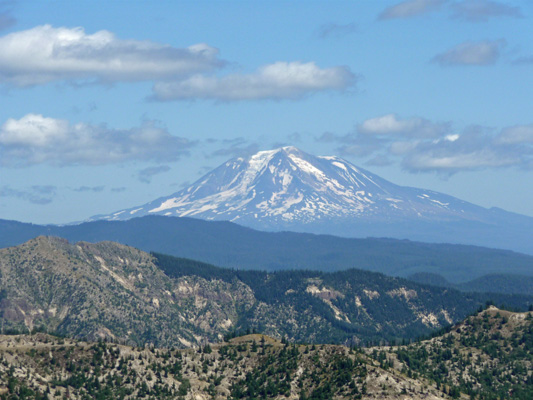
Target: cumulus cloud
<point>410,8</point>
<point>390,124</point>
<point>476,148</point>
<point>145,175</point>
<point>35,139</point>
<point>486,52</point>
<point>281,80</point>
<point>45,54</point>
<point>336,30</point>
<point>37,194</point>
<point>386,132</point>
<point>482,10</point>
<point>420,145</point>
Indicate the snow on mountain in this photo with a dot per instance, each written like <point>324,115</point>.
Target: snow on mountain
<point>287,188</point>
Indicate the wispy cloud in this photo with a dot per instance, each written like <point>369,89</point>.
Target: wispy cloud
<point>436,147</point>
<point>7,20</point>
<point>238,147</point>
<point>145,175</point>
<point>336,30</point>
<point>519,134</point>
<point>36,194</point>
<point>95,189</point>
<point>523,60</point>
<point>281,80</point>
<point>466,10</point>
<point>483,10</point>
<point>45,54</point>
<point>486,52</point>
<point>35,139</point>
<point>410,8</point>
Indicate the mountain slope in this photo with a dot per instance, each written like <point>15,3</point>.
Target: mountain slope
<point>287,186</point>
<point>253,366</point>
<point>230,245</point>
<point>495,283</point>
<point>105,291</point>
<point>116,292</point>
<point>487,356</point>
<point>287,189</point>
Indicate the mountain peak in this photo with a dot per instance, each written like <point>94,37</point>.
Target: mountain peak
<point>286,188</point>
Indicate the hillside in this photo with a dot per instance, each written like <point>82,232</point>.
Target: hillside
<point>487,356</point>
<point>495,283</point>
<point>111,291</point>
<point>108,291</point>
<point>255,366</point>
<point>230,245</point>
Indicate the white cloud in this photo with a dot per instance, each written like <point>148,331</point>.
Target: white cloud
<point>281,80</point>
<point>452,163</point>
<point>411,8</point>
<point>520,134</point>
<point>403,147</point>
<point>472,53</point>
<point>482,10</point>
<point>390,124</point>
<point>475,148</point>
<point>45,53</point>
<point>35,139</point>
<point>420,145</point>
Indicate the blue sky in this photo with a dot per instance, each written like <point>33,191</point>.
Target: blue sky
<point>107,105</point>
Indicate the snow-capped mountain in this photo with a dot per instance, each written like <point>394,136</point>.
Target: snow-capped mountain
<point>287,188</point>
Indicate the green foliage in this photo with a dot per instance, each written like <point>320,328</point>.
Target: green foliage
<point>486,357</point>
<point>233,246</point>
<point>389,316</point>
